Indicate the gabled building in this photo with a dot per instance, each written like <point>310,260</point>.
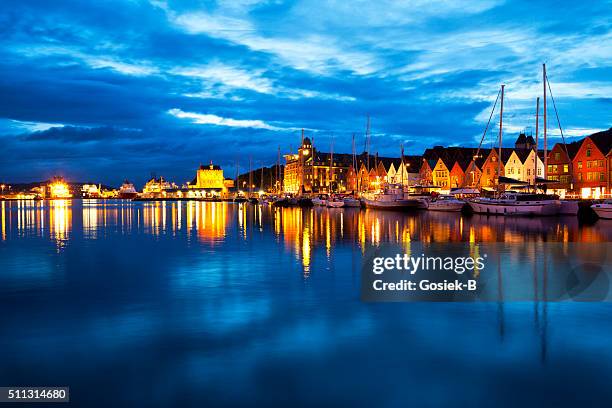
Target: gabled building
<point>592,165</point>
<point>560,167</point>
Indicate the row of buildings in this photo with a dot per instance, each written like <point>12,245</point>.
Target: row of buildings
<point>582,168</point>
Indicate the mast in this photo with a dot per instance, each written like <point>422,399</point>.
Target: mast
<point>368,144</point>
<point>535,169</point>
<point>354,158</point>
<point>250,176</point>
<point>402,166</point>
<point>331,165</point>
<point>545,125</point>
<point>501,116</point>
<point>261,186</point>
<point>301,165</point>
<point>277,184</point>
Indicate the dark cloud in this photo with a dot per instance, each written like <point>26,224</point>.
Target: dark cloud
<point>110,73</point>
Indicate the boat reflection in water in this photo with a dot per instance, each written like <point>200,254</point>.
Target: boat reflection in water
<point>230,300</point>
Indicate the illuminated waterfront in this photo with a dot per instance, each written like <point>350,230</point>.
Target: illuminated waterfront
<point>254,304</point>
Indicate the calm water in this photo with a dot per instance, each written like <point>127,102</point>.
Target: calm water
<point>205,304</point>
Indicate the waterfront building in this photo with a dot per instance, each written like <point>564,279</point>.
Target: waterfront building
<point>406,173</point>
<point>313,171</point>
<point>209,182</point>
<point>90,191</point>
<point>591,165</point>
<point>560,167</point>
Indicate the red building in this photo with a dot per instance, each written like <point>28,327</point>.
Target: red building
<point>591,165</point>
<point>560,167</point>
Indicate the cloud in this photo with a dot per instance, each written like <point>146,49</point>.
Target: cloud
<point>209,119</point>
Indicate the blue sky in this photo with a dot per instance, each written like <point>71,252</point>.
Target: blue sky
<point>101,91</point>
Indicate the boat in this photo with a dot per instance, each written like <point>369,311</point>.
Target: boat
<point>603,210</point>
<point>335,202</point>
<point>446,203</point>
<point>510,202</point>
<point>391,198</point>
<point>127,190</point>
<point>517,204</point>
<point>568,207</point>
<point>320,200</point>
<point>351,202</point>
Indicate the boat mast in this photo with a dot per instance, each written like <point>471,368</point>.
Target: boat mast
<point>535,169</point>
<point>277,185</point>
<point>402,166</point>
<point>301,165</point>
<point>354,157</point>
<point>501,116</point>
<point>368,145</point>
<point>261,187</point>
<point>250,176</point>
<point>331,165</point>
<point>545,139</point>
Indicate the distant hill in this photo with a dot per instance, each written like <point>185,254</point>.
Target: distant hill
<point>269,177</point>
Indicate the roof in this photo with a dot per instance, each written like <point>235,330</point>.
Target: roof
<point>521,139</point>
<point>209,167</point>
<point>603,140</point>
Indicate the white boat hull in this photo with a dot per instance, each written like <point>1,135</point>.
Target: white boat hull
<point>516,208</point>
<point>568,207</point>
<point>351,202</point>
<point>399,204</point>
<point>449,206</point>
<point>335,204</point>
<point>318,201</point>
<point>603,211</point>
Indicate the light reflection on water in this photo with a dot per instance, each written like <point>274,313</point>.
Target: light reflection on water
<point>242,304</point>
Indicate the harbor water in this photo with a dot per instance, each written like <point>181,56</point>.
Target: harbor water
<point>221,304</point>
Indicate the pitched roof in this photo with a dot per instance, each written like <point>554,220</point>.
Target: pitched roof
<point>603,140</point>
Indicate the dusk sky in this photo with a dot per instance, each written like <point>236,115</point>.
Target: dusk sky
<point>107,90</point>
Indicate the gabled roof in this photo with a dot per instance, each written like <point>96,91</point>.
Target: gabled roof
<point>603,140</point>
<point>523,154</point>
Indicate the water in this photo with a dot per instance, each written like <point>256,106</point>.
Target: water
<point>207,304</point>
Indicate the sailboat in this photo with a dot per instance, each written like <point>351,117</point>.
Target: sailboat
<point>514,203</point>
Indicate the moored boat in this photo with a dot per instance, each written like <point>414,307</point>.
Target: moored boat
<point>321,200</point>
<point>392,198</point>
<point>351,202</point>
<point>446,203</point>
<point>335,202</point>
<point>517,204</point>
<point>127,190</point>
<point>603,210</point>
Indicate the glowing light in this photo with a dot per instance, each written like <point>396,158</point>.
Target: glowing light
<point>59,189</point>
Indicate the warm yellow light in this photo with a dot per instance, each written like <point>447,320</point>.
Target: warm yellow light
<point>306,152</point>
<point>59,189</point>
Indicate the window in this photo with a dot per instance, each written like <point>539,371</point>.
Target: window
<point>529,172</point>
<point>588,164</point>
<point>519,170</point>
<point>579,176</point>
<point>557,156</point>
<point>550,168</point>
<point>600,163</point>
<point>601,176</point>
<point>588,153</point>
<point>566,168</point>
<point>579,165</point>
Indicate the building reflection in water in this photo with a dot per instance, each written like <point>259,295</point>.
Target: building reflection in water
<point>303,232</point>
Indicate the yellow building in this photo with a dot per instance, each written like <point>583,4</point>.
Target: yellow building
<point>209,181</point>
